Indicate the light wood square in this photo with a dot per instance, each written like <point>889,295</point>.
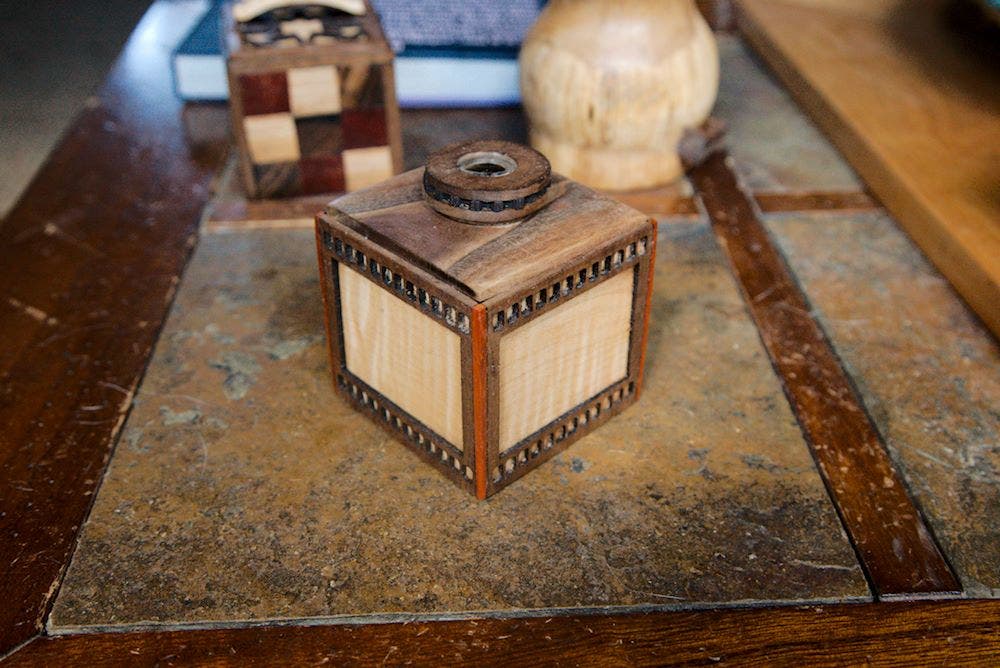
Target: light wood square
<point>410,358</point>
<point>271,138</point>
<point>564,357</point>
<point>314,91</point>
<point>365,167</point>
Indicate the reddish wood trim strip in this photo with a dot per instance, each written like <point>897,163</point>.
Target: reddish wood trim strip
<point>664,202</point>
<point>923,633</point>
<point>236,213</point>
<point>773,202</point>
<point>478,332</point>
<point>660,202</point>
<point>650,271</point>
<point>89,260</point>
<point>896,548</point>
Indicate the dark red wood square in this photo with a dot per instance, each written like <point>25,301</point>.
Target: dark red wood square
<point>364,127</point>
<point>265,93</point>
<point>322,174</point>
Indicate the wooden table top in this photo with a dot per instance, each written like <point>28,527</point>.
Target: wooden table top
<point>813,472</point>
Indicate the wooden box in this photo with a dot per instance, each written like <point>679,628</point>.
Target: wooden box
<point>312,98</point>
<point>485,311</point>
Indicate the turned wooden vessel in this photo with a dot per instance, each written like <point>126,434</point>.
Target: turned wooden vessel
<point>609,87</point>
<point>312,97</point>
<point>484,310</point>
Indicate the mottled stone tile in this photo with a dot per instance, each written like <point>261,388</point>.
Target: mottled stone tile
<point>775,146</point>
<point>929,373</point>
<point>243,488</point>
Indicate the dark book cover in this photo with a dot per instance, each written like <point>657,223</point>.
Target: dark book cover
<point>199,62</point>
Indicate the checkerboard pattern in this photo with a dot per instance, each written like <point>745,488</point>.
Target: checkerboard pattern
<point>313,130</point>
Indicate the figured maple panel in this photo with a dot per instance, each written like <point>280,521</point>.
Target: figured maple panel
<point>564,357</point>
<point>314,91</point>
<point>410,358</point>
<point>367,166</point>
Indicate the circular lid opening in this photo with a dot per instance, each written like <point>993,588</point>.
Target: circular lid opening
<point>487,163</point>
<point>487,181</point>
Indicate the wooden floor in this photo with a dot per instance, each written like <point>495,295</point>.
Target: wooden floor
<point>817,440</point>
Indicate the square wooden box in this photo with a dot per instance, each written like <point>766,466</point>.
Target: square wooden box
<point>316,117</point>
<point>485,349</point>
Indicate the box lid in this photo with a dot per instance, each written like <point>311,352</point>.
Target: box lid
<point>484,260</point>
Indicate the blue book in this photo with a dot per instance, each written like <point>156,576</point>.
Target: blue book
<point>449,53</point>
<point>456,76</point>
<point>452,53</point>
<point>199,62</point>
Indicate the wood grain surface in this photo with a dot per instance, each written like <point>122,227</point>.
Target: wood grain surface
<point>404,354</point>
<point>610,88</point>
<point>490,261</point>
<point>233,211</point>
<point>278,115</point>
<point>374,47</point>
<point>898,634</point>
<point>89,260</point>
<point>593,334</point>
<point>914,108</point>
<point>517,181</point>
<point>815,201</point>
<point>896,548</point>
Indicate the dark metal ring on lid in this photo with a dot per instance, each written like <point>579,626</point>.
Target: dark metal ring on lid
<point>487,181</point>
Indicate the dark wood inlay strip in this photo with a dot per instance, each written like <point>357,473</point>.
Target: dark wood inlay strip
<point>896,549</point>
<point>660,202</point>
<point>89,260</point>
<point>774,202</point>
<point>667,203</point>
<point>939,633</point>
<point>234,213</point>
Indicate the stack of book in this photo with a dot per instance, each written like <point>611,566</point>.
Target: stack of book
<point>449,53</point>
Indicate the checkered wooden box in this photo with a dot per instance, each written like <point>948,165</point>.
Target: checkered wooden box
<point>313,113</point>
<point>485,311</point>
